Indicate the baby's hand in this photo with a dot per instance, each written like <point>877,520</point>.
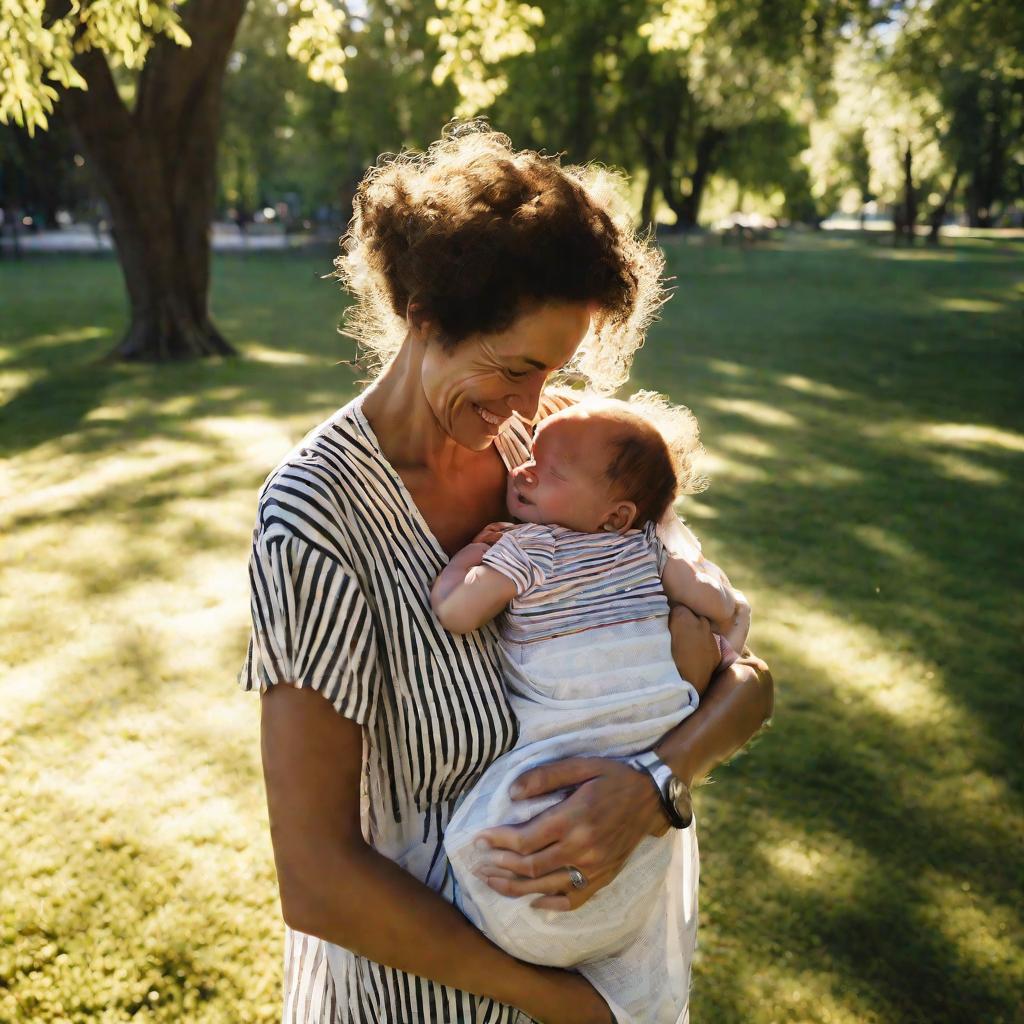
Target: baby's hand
<point>491,533</point>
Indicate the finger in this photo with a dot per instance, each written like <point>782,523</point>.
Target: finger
<point>533,865</point>
<point>552,903</point>
<point>557,883</point>
<point>548,778</point>
<point>529,837</point>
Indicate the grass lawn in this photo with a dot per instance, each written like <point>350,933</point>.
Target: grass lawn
<point>864,411</point>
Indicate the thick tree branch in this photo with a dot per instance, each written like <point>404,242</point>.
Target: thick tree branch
<point>173,74</point>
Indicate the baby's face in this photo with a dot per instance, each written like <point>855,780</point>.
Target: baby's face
<point>564,484</point>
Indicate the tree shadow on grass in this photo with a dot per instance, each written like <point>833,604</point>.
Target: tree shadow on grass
<point>819,845</point>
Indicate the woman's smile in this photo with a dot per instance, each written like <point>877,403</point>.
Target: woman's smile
<point>489,417</point>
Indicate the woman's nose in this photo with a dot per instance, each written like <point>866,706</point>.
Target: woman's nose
<point>523,475</point>
<point>526,400</point>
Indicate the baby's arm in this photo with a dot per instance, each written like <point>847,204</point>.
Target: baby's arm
<point>726,609</point>
<point>468,594</point>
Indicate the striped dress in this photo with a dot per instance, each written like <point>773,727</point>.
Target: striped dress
<point>341,569</point>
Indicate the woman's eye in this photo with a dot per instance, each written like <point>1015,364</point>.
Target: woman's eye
<point>516,374</point>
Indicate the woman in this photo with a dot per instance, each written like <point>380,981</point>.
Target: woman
<point>486,267</point>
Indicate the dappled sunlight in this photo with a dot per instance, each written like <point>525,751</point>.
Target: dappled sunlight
<point>721,467</point>
<point>964,305</point>
<point>12,381</point>
<point>746,445</point>
<point>919,255</point>
<point>816,473</point>
<point>971,443</point>
<point>260,443</point>
<point>825,863</point>
<point>814,388</point>
<point>800,995</point>
<point>278,357</point>
<point>969,436</point>
<point>859,662</point>
<point>959,468</point>
<point>15,352</point>
<point>889,544</point>
<point>975,926</point>
<point>724,368</point>
<point>757,412</point>
<point>57,484</point>
<point>693,508</point>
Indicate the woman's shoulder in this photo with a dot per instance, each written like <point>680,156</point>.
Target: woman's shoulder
<point>308,495</point>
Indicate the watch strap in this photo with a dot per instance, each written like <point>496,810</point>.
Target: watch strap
<point>662,776</point>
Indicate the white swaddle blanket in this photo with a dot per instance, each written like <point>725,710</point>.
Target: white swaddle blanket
<point>608,690</point>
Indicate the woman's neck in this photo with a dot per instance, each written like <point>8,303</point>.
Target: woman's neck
<point>405,425</point>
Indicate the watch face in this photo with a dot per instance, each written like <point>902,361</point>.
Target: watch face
<point>680,797</point>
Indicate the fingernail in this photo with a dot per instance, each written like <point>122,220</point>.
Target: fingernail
<point>516,790</point>
<point>482,844</point>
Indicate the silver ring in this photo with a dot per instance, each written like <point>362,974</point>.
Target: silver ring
<point>578,879</point>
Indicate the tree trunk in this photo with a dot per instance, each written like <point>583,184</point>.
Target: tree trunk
<point>707,145</point>
<point>938,215</point>
<point>156,169</point>
<point>651,184</point>
<point>909,217</point>
<point>686,205</point>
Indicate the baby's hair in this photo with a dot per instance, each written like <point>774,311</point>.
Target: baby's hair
<point>655,451</point>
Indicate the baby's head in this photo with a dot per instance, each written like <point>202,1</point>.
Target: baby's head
<point>607,465</point>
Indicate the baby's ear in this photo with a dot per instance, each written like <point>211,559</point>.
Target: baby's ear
<point>621,517</point>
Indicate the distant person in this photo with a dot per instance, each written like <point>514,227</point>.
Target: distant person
<point>242,218</point>
<point>478,273</point>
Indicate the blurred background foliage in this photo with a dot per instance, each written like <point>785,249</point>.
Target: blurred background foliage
<point>793,108</point>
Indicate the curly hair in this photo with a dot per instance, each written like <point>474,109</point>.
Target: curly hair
<point>476,232</point>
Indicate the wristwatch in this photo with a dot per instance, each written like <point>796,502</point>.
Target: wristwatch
<point>673,792</point>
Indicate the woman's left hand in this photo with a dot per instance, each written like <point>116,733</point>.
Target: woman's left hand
<point>594,829</point>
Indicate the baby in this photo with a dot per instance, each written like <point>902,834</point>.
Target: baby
<point>582,587</point>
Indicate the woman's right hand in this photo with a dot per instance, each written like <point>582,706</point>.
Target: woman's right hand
<point>569,998</point>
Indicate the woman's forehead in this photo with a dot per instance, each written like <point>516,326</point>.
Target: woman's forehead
<point>547,335</point>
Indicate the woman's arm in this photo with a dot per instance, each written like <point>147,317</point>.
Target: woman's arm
<point>333,885</point>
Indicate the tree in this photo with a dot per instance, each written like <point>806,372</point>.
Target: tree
<point>970,57</point>
<point>154,158</point>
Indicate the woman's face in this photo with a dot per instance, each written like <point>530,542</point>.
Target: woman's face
<point>479,384</point>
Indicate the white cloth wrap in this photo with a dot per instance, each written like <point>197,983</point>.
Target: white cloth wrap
<point>608,692</point>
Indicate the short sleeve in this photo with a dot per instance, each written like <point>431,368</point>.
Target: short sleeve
<point>524,554</point>
<point>678,539</point>
<point>656,546</point>
<point>311,625</point>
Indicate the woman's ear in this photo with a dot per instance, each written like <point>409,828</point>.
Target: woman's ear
<point>620,518</point>
<point>418,319</point>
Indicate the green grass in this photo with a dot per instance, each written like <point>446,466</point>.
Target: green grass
<point>863,410</point>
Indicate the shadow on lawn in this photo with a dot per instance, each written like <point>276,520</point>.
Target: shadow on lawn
<point>861,918</point>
